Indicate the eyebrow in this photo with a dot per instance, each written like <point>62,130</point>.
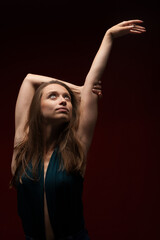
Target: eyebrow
<point>51,92</point>
<point>58,93</point>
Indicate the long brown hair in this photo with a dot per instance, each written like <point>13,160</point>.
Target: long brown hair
<point>31,148</point>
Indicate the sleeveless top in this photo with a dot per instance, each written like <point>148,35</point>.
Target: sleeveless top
<point>64,201</point>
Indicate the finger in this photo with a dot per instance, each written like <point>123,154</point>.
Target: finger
<point>98,92</point>
<point>125,23</point>
<point>97,87</point>
<point>139,28</point>
<point>132,28</point>
<point>135,31</point>
<point>98,83</point>
<point>100,95</point>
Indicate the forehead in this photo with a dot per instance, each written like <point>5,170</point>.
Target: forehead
<point>55,88</point>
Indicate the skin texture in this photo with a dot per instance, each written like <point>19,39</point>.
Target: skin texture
<point>56,109</point>
<point>88,105</point>
<point>56,104</point>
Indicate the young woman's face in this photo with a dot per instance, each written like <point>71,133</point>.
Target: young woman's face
<point>56,103</point>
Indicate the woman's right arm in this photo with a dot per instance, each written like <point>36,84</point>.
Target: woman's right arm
<point>24,99</point>
<point>26,93</point>
<point>27,90</point>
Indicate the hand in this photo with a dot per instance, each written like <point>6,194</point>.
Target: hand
<point>97,89</point>
<point>126,27</point>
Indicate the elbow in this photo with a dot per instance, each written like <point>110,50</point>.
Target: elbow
<point>28,76</point>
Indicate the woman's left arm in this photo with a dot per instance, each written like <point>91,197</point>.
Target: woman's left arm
<point>89,108</point>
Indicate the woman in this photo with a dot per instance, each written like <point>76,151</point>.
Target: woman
<point>54,125</point>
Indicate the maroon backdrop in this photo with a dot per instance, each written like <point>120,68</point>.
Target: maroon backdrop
<point>121,189</point>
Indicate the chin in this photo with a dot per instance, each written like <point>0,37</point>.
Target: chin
<point>62,120</point>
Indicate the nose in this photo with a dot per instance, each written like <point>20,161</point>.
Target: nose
<point>63,101</point>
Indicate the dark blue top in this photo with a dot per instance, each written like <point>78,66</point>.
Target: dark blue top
<point>64,201</point>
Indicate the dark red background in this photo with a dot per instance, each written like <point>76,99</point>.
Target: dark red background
<point>60,39</point>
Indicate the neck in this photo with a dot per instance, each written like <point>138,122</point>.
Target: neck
<point>51,134</point>
<point>50,137</point>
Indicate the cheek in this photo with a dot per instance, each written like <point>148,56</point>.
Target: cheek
<point>71,110</point>
<point>46,107</point>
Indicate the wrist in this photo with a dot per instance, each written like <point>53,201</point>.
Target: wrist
<point>109,35</point>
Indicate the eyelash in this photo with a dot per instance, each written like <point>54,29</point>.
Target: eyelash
<point>52,95</point>
<point>66,96</point>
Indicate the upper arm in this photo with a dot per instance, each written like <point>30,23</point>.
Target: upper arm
<point>23,102</point>
<point>88,115</point>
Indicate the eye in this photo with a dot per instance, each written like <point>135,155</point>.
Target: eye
<point>52,96</point>
<point>67,97</point>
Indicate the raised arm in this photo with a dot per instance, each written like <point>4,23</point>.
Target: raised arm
<point>25,96</point>
<point>89,107</point>
<point>26,93</point>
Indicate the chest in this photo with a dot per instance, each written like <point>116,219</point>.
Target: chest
<point>46,158</point>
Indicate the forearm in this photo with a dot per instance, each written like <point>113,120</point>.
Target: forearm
<point>37,80</point>
<point>100,61</point>
<point>26,93</point>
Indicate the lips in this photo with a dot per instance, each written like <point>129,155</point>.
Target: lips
<point>62,109</point>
